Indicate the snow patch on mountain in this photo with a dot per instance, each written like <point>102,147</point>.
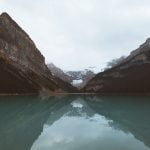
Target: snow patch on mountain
<point>77,82</point>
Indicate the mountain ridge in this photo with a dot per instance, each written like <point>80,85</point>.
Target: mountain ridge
<point>76,78</point>
<point>129,76</point>
<point>23,68</point>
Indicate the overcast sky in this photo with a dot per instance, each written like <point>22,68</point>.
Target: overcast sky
<point>77,34</point>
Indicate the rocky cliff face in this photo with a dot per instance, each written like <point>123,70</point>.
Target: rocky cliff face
<point>17,45</point>
<point>22,66</point>
<point>132,76</point>
<point>59,73</point>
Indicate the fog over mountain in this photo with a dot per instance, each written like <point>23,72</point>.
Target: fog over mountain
<point>77,34</point>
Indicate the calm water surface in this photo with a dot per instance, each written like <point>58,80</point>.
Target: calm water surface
<point>75,123</point>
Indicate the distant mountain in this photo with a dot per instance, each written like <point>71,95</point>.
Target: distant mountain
<point>22,66</point>
<point>131,76</point>
<point>80,78</point>
<point>76,78</point>
<point>59,73</point>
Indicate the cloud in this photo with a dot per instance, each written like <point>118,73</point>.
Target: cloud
<point>76,34</point>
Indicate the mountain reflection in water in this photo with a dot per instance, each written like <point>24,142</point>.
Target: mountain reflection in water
<point>75,123</point>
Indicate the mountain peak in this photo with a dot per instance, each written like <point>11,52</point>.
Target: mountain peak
<point>6,21</point>
<point>25,70</point>
<point>5,15</point>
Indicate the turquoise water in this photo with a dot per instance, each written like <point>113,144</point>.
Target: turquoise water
<point>75,123</point>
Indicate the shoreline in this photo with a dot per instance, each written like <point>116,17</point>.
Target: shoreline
<point>58,94</point>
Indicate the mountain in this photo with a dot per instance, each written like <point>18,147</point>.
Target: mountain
<point>22,66</point>
<point>59,73</point>
<point>76,78</point>
<point>80,78</point>
<point>131,76</point>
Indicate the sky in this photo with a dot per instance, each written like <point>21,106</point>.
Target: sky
<point>82,34</point>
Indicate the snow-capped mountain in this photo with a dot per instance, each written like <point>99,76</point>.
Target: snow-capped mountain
<point>76,78</point>
<point>80,78</point>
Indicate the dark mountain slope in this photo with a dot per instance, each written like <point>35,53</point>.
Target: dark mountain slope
<point>22,66</point>
<point>59,73</point>
<point>132,76</point>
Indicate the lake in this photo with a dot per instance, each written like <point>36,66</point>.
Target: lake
<point>75,122</point>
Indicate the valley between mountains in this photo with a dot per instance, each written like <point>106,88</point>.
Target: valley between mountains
<point>23,69</point>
